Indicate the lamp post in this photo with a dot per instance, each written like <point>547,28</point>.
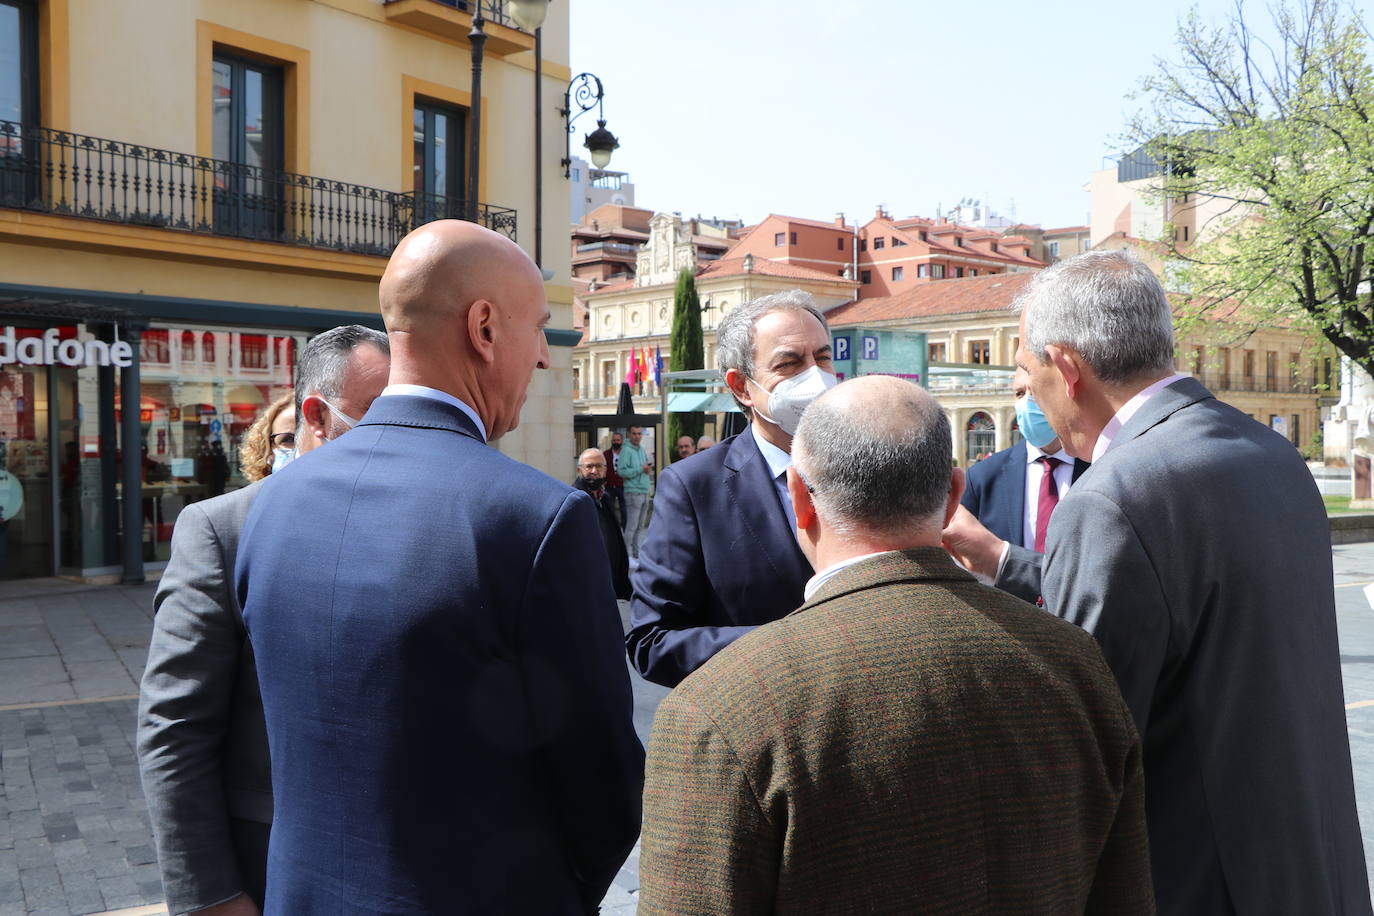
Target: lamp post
<point>477,40</point>
<point>586,90</point>
<point>529,15</point>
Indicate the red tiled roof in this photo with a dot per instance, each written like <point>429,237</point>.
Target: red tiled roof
<point>726,267</point>
<point>1067,229</point>
<point>939,297</point>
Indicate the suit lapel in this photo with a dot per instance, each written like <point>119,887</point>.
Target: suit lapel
<point>1014,471</point>
<point>1079,466</point>
<point>755,500</point>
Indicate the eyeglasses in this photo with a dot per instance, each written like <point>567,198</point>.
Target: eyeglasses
<point>282,440</point>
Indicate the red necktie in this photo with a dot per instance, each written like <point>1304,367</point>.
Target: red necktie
<point>1049,498</point>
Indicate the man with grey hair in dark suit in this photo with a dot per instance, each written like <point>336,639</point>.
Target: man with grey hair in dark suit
<point>1197,550</point>
<point>202,744</point>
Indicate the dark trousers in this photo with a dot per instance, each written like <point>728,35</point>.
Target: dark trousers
<point>616,497</point>
<point>249,839</point>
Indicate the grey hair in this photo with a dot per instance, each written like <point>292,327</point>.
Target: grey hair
<point>735,333</point>
<point>875,469</point>
<point>1109,307</point>
<point>324,360</point>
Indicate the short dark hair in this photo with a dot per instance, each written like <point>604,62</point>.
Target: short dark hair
<point>324,360</point>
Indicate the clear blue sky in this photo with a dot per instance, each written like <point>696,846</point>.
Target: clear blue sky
<point>738,108</point>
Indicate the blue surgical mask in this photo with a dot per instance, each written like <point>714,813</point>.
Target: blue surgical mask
<point>281,457</point>
<point>1032,423</point>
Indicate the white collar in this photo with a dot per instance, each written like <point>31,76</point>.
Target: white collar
<point>434,394</point>
<point>778,460</point>
<point>1033,455</point>
<point>1123,416</point>
<point>814,584</point>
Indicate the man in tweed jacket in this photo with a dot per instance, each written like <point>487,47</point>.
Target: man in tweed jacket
<point>909,740</point>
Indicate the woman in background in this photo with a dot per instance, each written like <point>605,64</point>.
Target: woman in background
<point>271,441</point>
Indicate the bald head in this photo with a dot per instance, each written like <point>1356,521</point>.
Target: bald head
<point>441,268</point>
<point>876,451</point>
<point>465,310</point>
<point>591,464</point>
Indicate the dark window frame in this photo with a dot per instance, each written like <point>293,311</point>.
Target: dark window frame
<point>457,155</point>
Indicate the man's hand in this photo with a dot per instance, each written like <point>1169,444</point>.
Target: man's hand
<point>977,548</point>
<point>242,905</point>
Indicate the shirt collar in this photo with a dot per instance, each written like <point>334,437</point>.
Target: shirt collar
<point>778,460</point>
<point>434,394</point>
<point>814,584</point>
<point>1033,455</point>
<point>1123,416</point>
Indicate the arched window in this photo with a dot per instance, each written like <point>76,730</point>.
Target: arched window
<point>981,437</point>
<point>207,346</point>
<point>188,346</point>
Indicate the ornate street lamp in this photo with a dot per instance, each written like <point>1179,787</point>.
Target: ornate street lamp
<point>585,89</point>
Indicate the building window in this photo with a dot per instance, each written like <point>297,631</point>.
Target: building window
<point>188,346</point>
<point>779,238</point>
<point>154,347</point>
<point>794,238</point>
<point>898,273</point>
<point>1225,367</point>
<point>576,175</point>
<point>18,66</point>
<point>1248,366</point>
<point>994,246</point>
<point>981,438</point>
<point>577,382</point>
<point>1199,355</point>
<point>608,386</point>
<point>1293,430</point>
<point>973,272</point>
<point>958,273</point>
<point>937,271</point>
<point>865,276</point>
<point>879,242</point>
<point>207,347</point>
<point>935,352</point>
<point>1271,371</point>
<point>897,243</point>
<point>863,244</point>
<point>980,352</point>
<point>1185,233</point>
<point>438,161</point>
<point>923,270</point>
<point>925,237</point>
<point>248,131</point>
<point>839,244</point>
<point>1052,249</point>
<point>959,241</point>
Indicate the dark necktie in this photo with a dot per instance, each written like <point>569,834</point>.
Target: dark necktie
<point>1049,498</point>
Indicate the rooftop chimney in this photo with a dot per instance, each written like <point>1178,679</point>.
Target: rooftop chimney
<point>839,219</point>
<point>749,263</point>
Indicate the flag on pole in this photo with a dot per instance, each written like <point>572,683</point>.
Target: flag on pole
<point>644,364</point>
<point>632,371</point>
<point>658,366</point>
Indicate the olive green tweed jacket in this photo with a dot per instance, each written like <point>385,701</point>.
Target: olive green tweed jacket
<point>909,741</point>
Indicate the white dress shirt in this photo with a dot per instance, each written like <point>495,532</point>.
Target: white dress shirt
<point>434,394</point>
<point>1035,473</point>
<point>1123,416</point>
<point>778,462</point>
<point>814,584</point>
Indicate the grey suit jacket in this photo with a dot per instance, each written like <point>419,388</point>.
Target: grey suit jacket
<point>1198,552</point>
<point>202,743</point>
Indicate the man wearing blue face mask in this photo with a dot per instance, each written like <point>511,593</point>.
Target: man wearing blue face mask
<point>721,554</point>
<point>1014,492</point>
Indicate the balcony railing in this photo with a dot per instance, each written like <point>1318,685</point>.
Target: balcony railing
<point>1220,381</point>
<point>492,10</point>
<point>75,175</point>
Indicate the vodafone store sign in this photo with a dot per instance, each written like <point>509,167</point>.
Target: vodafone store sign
<point>48,350</point>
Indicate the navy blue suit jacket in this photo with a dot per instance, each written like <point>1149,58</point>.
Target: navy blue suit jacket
<point>996,492</point>
<point>438,647</point>
<point>720,558</point>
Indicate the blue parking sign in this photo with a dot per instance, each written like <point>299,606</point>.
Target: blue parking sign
<point>840,349</point>
<point>870,347</point>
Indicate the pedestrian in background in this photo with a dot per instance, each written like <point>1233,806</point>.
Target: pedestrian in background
<point>591,479</point>
<point>271,441</point>
<point>704,443</point>
<point>909,741</point>
<point>637,473</point>
<point>615,486</point>
<point>686,448</point>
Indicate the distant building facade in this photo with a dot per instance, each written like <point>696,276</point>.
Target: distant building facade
<point>591,187</point>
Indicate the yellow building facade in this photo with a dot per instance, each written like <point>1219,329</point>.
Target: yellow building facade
<point>212,182</point>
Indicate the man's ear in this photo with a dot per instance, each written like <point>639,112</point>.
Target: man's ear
<point>736,381</point>
<point>482,330</point>
<point>1069,364</point>
<point>956,492</point>
<point>313,414</point>
<point>802,506</point>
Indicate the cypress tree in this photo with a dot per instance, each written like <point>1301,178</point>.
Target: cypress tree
<point>685,352</point>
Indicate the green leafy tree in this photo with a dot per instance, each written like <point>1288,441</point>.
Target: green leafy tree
<point>1261,140</point>
<point>685,351</point>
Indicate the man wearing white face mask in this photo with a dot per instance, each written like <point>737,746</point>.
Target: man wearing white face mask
<point>202,742</point>
<point>721,554</point>
<point>1008,491</point>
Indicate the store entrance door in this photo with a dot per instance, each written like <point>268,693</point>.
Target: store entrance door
<point>26,479</point>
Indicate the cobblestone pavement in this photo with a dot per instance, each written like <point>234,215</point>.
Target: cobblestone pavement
<point>74,836</point>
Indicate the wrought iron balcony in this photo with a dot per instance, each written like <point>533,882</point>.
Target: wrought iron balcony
<point>492,10</point>
<point>452,19</point>
<point>75,175</point>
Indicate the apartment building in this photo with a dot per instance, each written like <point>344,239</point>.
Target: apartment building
<point>189,189</point>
